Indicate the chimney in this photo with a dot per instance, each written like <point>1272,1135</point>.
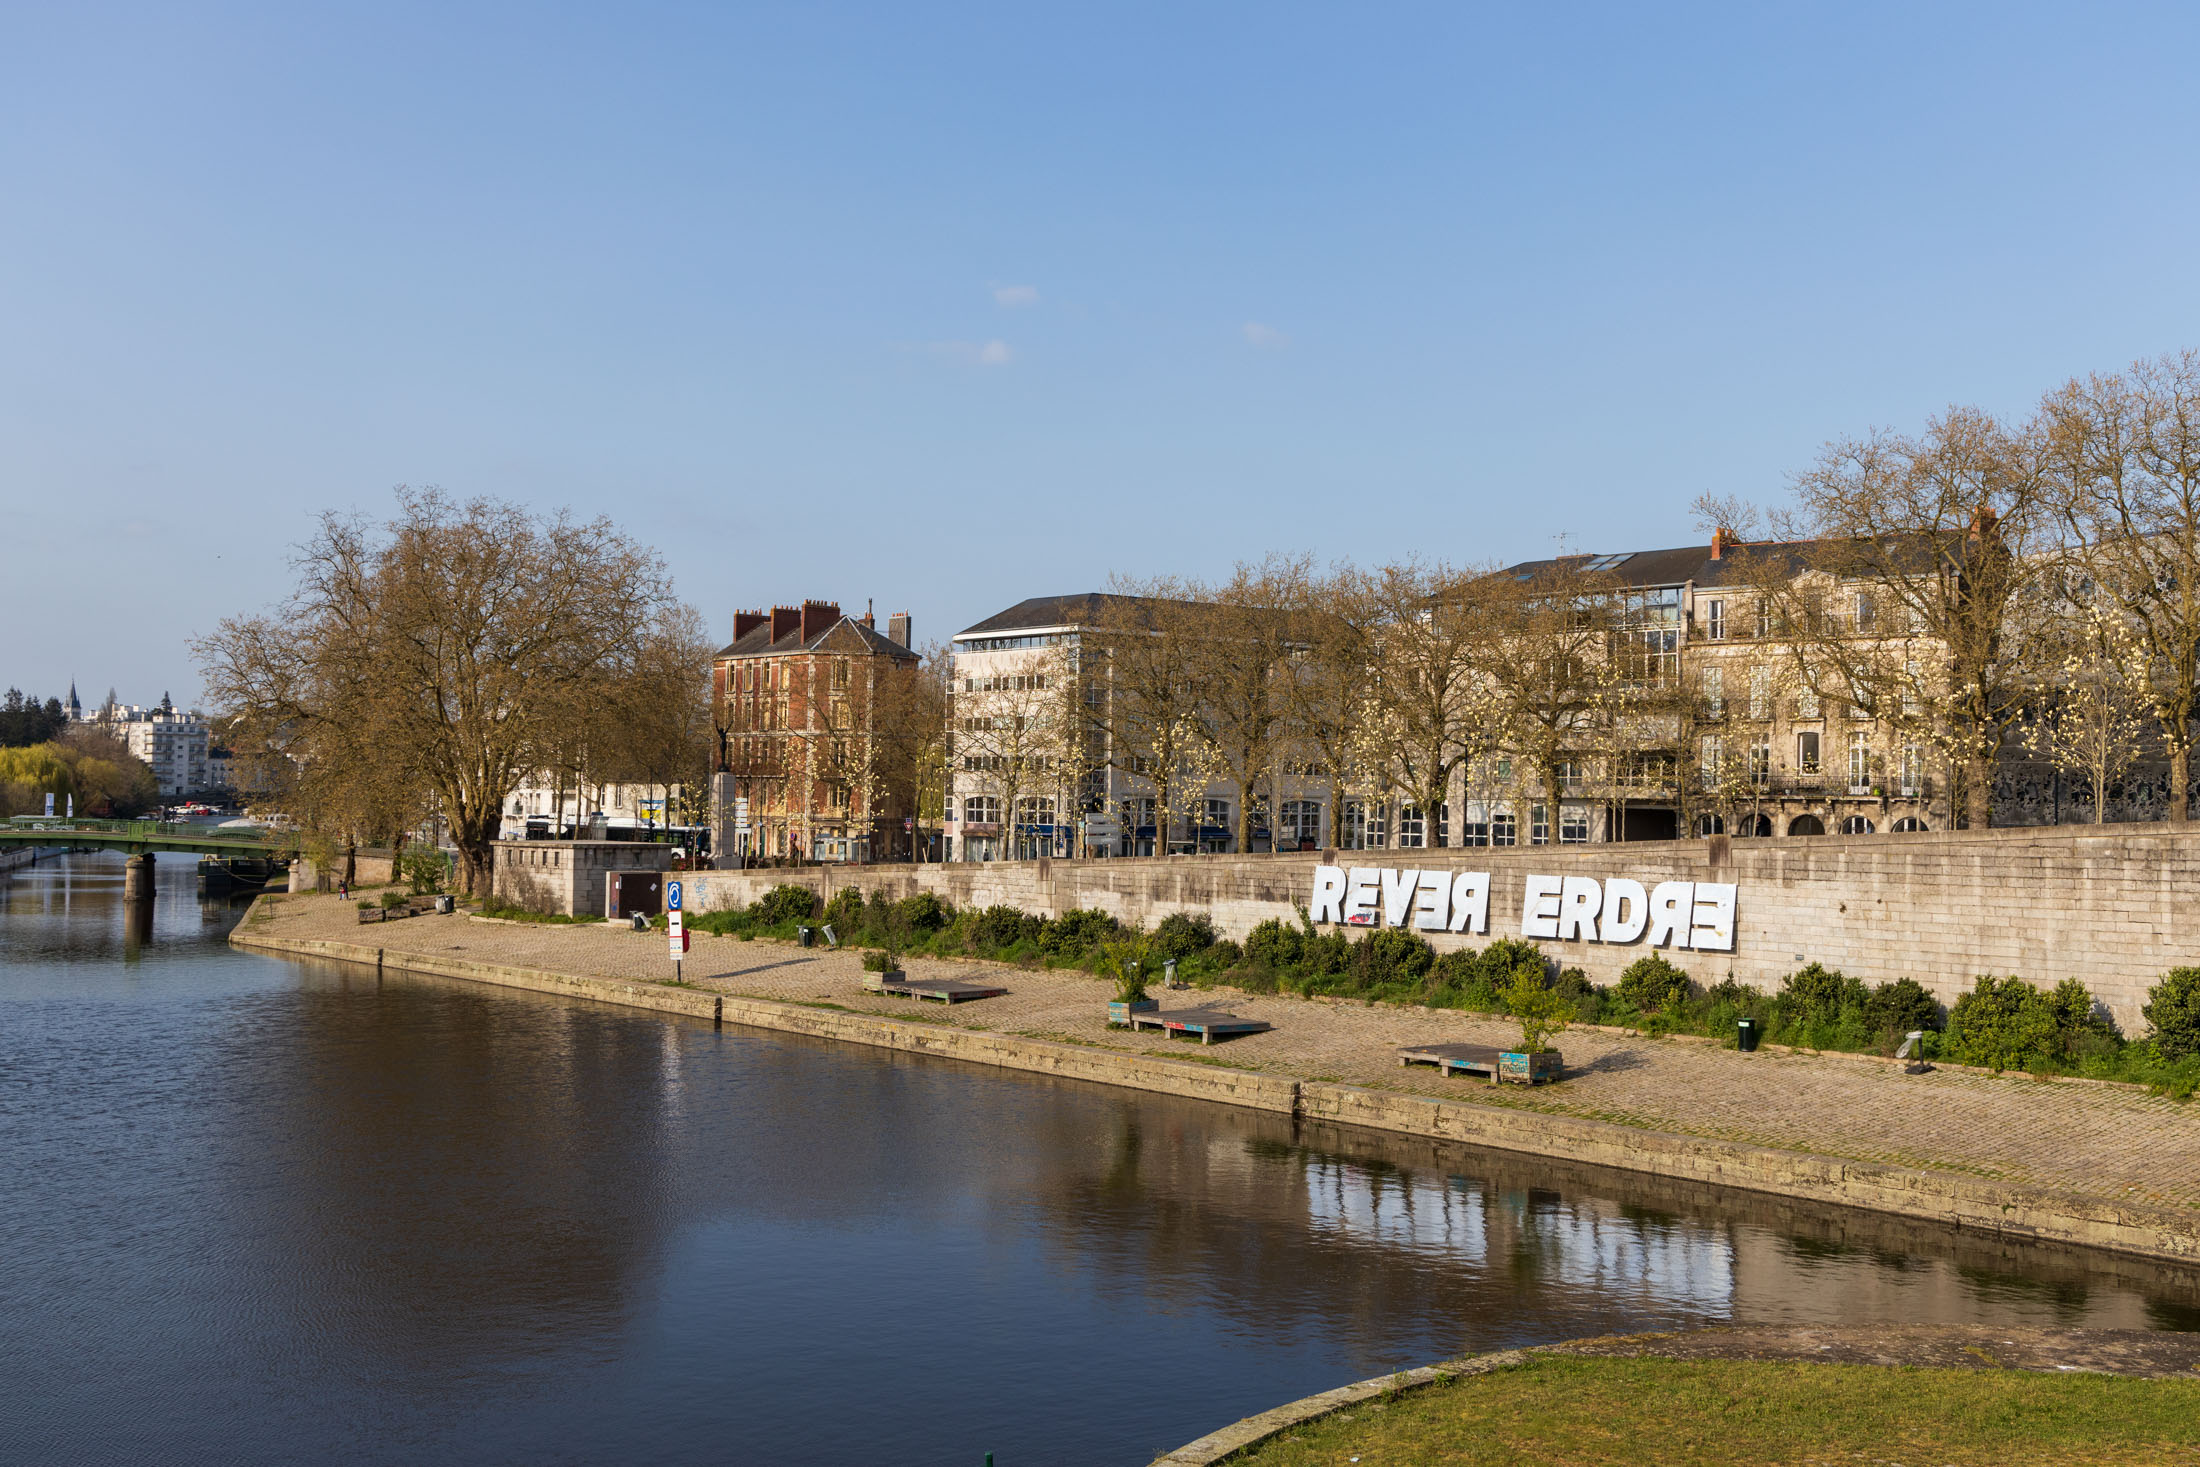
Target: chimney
<point>745,622</point>
<point>1983,523</point>
<point>897,628</point>
<point>785,621</point>
<point>1721,540</point>
<point>817,617</point>
<point>867,621</point>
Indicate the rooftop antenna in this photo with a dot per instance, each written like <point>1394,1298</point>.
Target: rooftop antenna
<point>1562,537</point>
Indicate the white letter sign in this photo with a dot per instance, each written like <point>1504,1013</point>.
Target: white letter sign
<point>1470,902</point>
<point>1669,907</point>
<point>1712,927</point>
<point>1359,897</point>
<point>1328,903</point>
<point>1620,895</point>
<point>1539,907</point>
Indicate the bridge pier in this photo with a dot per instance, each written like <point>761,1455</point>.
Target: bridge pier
<point>137,877</point>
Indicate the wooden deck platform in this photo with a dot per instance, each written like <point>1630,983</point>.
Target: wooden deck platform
<point>946,990</point>
<point>1455,1059</point>
<point>1206,1023</point>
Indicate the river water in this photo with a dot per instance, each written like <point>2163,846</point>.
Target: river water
<point>258,1210</point>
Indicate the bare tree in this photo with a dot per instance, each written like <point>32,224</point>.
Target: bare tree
<point>1332,669</point>
<point>1934,582</point>
<point>1430,706</point>
<point>1558,668</point>
<point>1146,655</point>
<point>435,655</point>
<point>2090,721</point>
<point>1244,671</point>
<point>912,739</point>
<point>2124,462</point>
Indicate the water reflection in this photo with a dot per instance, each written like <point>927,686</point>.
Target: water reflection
<point>267,1211</point>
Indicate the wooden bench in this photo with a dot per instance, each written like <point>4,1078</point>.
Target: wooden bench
<point>946,990</point>
<point>1455,1059</point>
<point>1206,1023</point>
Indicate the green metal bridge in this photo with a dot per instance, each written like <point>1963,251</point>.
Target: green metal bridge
<point>144,837</point>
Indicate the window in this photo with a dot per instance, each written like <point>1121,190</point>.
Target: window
<point>1138,815</point>
<point>1760,760</point>
<point>1806,752</point>
<point>1573,825</point>
<point>1862,614</point>
<point>1035,812</point>
<point>1764,618</point>
<point>981,810</point>
<point>1860,767</point>
<point>1363,826</point>
<point>1861,703</point>
<point>1855,825</point>
<point>1216,815</point>
<point>1504,829</point>
<point>1569,776</point>
<point>1504,771</point>
<point>1714,759</point>
<point>1539,825</point>
<point>1913,769</point>
<point>1760,692</point>
<point>1714,692</point>
<point>1301,824</point>
<point>1412,830</point>
<point>1806,702</point>
<point>1909,687</point>
<point>1714,620</point>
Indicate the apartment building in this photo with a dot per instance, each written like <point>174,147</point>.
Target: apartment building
<point>174,744</point>
<point>798,694</point>
<point>1037,764</point>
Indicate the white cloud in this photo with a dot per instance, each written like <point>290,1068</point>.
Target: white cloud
<point>994,353</point>
<point>1014,296</point>
<point>1266,338</point>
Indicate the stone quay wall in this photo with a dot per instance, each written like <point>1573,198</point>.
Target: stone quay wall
<point>2114,906</point>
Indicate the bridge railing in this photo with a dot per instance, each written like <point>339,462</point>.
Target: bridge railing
<point>147,829</point>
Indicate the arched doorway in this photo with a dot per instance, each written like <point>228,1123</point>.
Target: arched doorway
<point>1907,824</point>
<point>1710,825</point>
<point>1855,825</point>
<point>1753,825</point>
<point>1806,825</point>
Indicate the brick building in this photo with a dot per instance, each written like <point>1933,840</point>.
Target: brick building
<point>796,697</point>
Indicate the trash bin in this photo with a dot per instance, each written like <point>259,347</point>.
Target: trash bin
<point>640,921</point>
<point>1745,1035</point>
<point>445,905</point>
<point>807,936</point>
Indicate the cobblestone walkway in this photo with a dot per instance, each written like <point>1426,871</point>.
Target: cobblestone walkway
<point>2113,1142</point>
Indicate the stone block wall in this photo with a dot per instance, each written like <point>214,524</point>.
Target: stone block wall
<point>2114,906</point>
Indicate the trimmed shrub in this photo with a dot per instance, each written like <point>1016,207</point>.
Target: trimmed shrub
<point>1816,994</point>
<point>1180,935</point>
<point>1651,985</point>
<point>1898,1007</point>
<point>924,912</point>
<point>1004,927</point>
<point>845,912</point>
<point>1391,955</point>
<point>2173,1008</point>
<point>786,904</point>
<point>1076,933</point>
<point>2001,1023</point>
<point>1276,946</point>
<point>878,962</point>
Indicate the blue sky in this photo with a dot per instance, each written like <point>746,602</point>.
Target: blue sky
<point>947,306</point>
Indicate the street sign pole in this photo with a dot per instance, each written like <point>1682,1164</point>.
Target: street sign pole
<point>674,926</point>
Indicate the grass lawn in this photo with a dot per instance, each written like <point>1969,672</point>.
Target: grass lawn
<point>1595,1411</point>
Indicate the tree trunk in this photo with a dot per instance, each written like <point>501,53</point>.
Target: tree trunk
<point>351,864</point>
<point>2180,770</point>
<point>1978,792</point>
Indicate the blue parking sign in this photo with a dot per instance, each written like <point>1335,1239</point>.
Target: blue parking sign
<point>672,896</point>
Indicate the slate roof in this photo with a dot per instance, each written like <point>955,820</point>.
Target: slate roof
<point>1051,611</point>
<point>1645,568</point>
<point>758,642</point>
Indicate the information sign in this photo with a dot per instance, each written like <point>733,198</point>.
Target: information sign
<point>672,896</point>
